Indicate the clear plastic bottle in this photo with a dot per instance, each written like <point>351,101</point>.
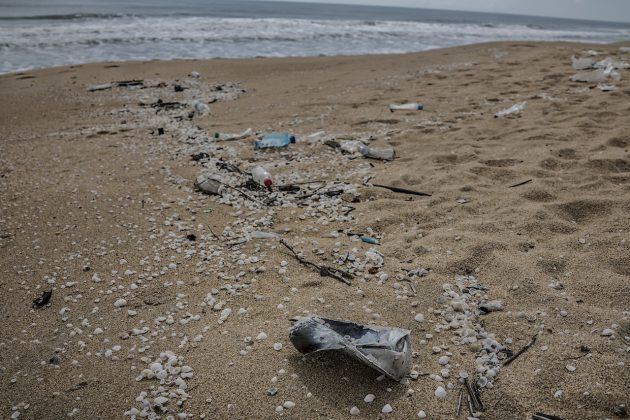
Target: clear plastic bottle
<point>210,184</point>
<point>274,140</point>
<point>262,176</point>
<point>414,106</point>
<point>383,154</point>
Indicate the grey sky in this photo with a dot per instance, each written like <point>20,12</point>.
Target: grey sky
<point>611,10</point>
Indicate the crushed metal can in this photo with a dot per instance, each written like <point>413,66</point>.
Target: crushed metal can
<point>385,349</point>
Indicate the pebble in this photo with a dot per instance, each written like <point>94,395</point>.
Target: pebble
<point>440,392</point>
<point>443,360</point>
<point>288,404</point>
<point>277,346</point>
<point>607,332</point>
<point>262,336</point>
<point>387,409</point>
<point>354,411</point>
<point>419,317</point>
<point>120,303</point>
<point>422,414</point>
<point>369,398</point>
<point>571,368</point>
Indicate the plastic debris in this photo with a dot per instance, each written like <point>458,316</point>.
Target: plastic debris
<point>369,240</point>
<point>209,184</point>
<point>511,110</point>
<point>599,75</point>
<point>261,176</point>
<point>406,107</point>
<point>582,63</point>
<point>200,108</point>
<point>606,88</point>
<point>274,141</point>
<point>195,74</point>
<point>232,136</point>
<point>388,350</point>
<point>382,154</point>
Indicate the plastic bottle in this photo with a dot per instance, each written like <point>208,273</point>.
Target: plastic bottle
<point>262,176</point>
<point>274,140</point>
<point>414,106</point>
<point>383,154</point>
<point>209,183</point>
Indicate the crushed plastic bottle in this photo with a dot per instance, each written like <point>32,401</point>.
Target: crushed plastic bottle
<point>262,176</point>
<point>209,184</point>
<point>382,154</point>
<point>351,146</point>
<point>599,75</point>
<point>414,106</point>
<point>385,349</point>
<point>231,136</point>
<point>274,141</point>
<point>511,110</point>
<point>200,108</point>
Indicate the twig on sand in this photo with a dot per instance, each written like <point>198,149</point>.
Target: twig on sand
<point>459,402</point>
<point>542,416</point>
<point>521,351</point>
<point>473,396</point>
<point>402,190</point>
<point>324,271</point>
<point>521,183</point>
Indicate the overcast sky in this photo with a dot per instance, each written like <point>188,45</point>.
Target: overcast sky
<point>612,10</point>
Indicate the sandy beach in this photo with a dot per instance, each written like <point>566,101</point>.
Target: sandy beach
<point>532,208</point>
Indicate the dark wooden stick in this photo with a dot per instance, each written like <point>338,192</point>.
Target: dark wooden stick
<point>402,190</point>
<point>521,183</point>
<point>324,271</point>
<point>473,395</point>
<point>521,351</point>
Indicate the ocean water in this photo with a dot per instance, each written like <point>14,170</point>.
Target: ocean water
<point>46,33</point>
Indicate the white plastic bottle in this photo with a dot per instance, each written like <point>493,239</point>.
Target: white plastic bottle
<point>262,176</point>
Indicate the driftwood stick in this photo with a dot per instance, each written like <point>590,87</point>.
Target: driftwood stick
<point>324,271</point>
<point>459,402</point>
<point>402,190</point>
<point>521,351</point>
<point>521,183</point>
<point>473,395</point>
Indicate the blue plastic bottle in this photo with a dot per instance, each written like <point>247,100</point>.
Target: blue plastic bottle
<point>274,140</point>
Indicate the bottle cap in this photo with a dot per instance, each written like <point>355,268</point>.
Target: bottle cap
<point>267,182</point>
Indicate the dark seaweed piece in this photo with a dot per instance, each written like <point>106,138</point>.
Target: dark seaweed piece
<point>42,300</point>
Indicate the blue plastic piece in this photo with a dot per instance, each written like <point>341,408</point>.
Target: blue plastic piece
<point>274,141</point>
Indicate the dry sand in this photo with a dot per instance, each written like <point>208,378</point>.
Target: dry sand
<point>85,180</point>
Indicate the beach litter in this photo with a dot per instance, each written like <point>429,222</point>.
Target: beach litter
<point>135,84</point>
<point>379,154</point>
<point>210,183</point>
<point>582,63</point>
<point>200,108</point>
<point>414,106</point>
<point>388,350</point>
<point>606,88</point>
<point>274,141</point>
<point>599,75</point>
<point>516,108</point>
<point>261,176</point>
<point>232,136</point>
